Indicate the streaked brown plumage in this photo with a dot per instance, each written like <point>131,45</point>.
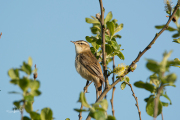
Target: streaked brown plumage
<point>87,65</point>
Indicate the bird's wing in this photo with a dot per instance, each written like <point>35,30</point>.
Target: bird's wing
<point>90,62</point>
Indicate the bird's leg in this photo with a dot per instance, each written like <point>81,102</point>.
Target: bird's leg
<point>97,93</point>
<point>87,85</point>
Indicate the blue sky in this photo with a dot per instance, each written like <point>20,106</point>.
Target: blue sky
<point>43,30</point>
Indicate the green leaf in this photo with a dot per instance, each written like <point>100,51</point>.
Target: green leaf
<point>104,104</point>
<point>176,40</point>
<point>127,79</point>
<point>115,45</point>
<point>82,99</point>
<point>46,114</point>
<point>99,115</point>
<point>67,119</point>
<point>13,73</point>
<point>26,68</point>
<point>29,98</point>
<point>35,92</point>
<point>34,84</point>
<point>150,107</point>
<point>26,118</point>
<point>30,62</point>
<point>108,17</point>
<point>165,104</point>
<point>93,50</point>
<point>146,99</point>
<point>35,116</point>
<point>24,83</point>
<point>80,110</point>
<point>110,117</point>
<point>95,45</point>
<point>28,107</point>
<point>110,26</point>
<point>152,65</point>
<point>119,27</point>
<point>171,29</point>
<point>159,26</point>
<point>120,55</point>
<point>15,81</point>
<point>170,79</point>
<point>89,20</point>
<point>166,96</point>
<point>14,92</point>
<point>176,35</point>
<point>123,85</point>
<point>95,30</point>
<point>147,86</point>
<point>117,36</point>
<point>17,104</point>
<point>108,49</point>
<point>164,62</point>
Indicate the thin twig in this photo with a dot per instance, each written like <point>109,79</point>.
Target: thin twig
<point>138,57</point>
<point>22,109</point>
<point>103,43</point>
<point>156,100</point>
<point>162,115</point>
<point>137,105</point>
<point>85,91</point>
<point>112,99</point>
<point>0,34</point>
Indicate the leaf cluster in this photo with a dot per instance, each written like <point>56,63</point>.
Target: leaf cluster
<point>96,110</point>
<point>30,89</point>
<point>112,48</point>
<point>161,77</point>
<point>176,36</point>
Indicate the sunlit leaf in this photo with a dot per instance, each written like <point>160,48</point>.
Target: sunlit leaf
<point>108,49</point>
<point>110,26</point>
<point>34,84</point>
<point>13,73</point>
<point>35,115</point>
<point>123,85</point>
<point>147,86</point>
<point>120,55</point>
<point>24,83</point>
<point>29,98</point>
<point>28,107</point>
<point>176,40</point>
<point>150,107</point>
<point>108,17</point>
<point>30,62</point>
<point>26,68</point>
<point>110,117</point>
<point>89,20</point>
<point>165,104</point>
<point>82,99</point>
<point>152,65</point>
<point>46,114</point>
<point>119,27</point>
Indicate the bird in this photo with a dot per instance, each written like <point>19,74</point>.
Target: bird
<point>88,66</point>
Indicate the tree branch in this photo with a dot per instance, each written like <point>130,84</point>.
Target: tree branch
<point>112,99</point>
<point>137,105</point>
<point>156,100</point>
<point>138,57</point>
<point>103,43</point>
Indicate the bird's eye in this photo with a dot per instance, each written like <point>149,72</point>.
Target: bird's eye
<point>81,43</point>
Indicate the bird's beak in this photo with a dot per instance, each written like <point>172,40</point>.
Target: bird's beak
<point>73,42</point>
